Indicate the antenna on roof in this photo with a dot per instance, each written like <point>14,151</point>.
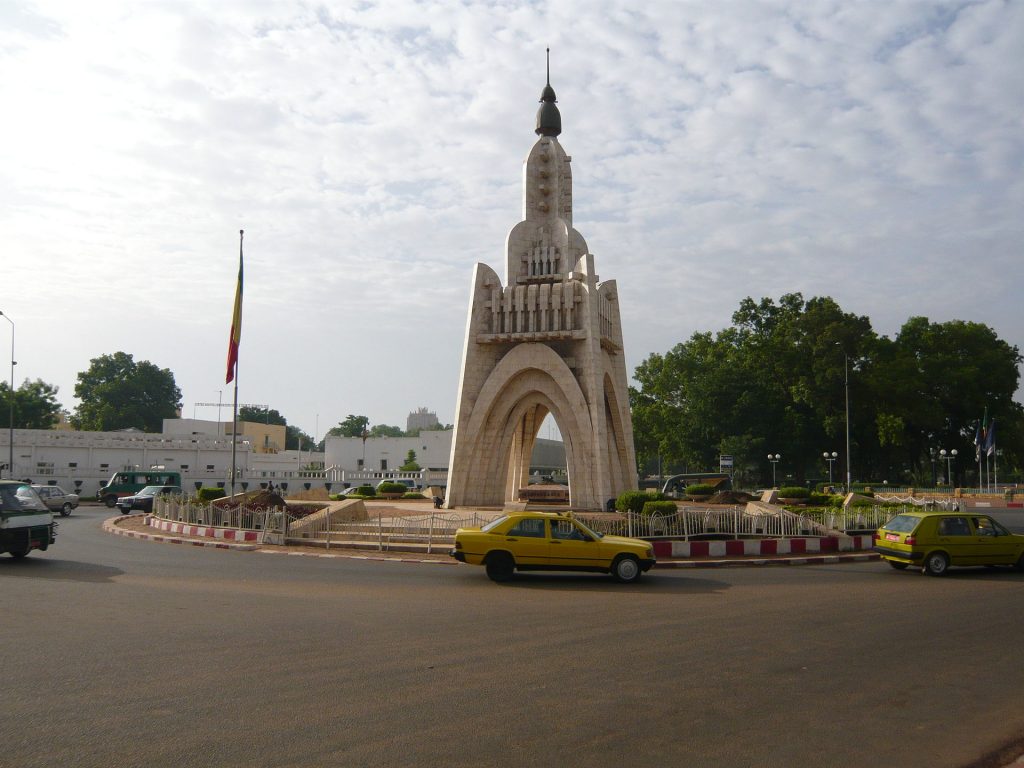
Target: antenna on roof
<point>549,65</point>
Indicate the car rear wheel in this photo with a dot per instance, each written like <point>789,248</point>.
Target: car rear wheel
<point>66,509</point>
<point>936,564</point>
<point>500,566</point>
<point>897,566</point>
<point>626,569</point>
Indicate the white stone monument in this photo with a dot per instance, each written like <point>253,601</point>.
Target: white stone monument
<point>546,340</point>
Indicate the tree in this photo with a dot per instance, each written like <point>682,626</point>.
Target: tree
<point>777,380</point>
<point>296,439</point>
<point>410,462</point>
<point>35,405</point>
<point>261,415</point>
<point>352,426</point>
<point>386,430</point>
<point>118,393</point>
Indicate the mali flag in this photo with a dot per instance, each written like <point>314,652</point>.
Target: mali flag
<point>236,318</point>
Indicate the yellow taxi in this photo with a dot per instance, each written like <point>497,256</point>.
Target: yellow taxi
<point>934,541</point>
<point>550,541</point>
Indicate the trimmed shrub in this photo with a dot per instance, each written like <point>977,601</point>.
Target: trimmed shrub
<point>366,490</point>
<point>633,501</point>
<point>793,492</point>
<point>209,494</point>
<point>392,488</point>
<point>699,490</point>
<point>659,508</point>
<point>825,500</point>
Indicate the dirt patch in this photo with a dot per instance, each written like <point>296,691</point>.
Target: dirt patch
<point>731,497</point>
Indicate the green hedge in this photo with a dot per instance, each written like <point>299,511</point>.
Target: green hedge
<point>209,494</point>
<point>659,507</point>
<point>793,492</point>
<point>633,501</point>
<point>392,488</point>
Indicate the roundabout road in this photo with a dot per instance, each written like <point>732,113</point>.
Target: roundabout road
<point>121,652</point>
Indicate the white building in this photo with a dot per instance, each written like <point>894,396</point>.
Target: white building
<point>83,461</point>
<point>352,460</point>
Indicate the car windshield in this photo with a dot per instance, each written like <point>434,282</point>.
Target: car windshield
<point>588,530</point>
<point>19,498</point>
<point>494,523</point>
<point>902,524</point>
<point>150,490</point>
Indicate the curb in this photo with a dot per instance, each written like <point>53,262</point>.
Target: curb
<point>111,526</point>
<point>852,557</point>
<point>206,531</point>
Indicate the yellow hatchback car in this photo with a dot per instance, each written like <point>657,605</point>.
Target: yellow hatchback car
<point>936,540</point>
<point>550,541</point>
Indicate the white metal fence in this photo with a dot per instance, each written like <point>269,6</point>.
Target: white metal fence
<point>437,529</point>
<point>192,512</point>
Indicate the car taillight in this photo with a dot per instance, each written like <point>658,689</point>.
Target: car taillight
<point>910,540</point>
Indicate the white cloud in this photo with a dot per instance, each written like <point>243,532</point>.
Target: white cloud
<point>372,153</point>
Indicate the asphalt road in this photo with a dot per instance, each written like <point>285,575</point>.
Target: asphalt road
<point>120,652</point>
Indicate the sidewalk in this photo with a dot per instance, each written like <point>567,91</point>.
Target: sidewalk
<point>715,554</point>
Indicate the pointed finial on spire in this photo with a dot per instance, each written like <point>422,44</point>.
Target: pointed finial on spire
<point>549,120</point>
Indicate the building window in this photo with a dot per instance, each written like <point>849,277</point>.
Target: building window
<point>359,463</point>
<point>184,466</point>
<point>383,465</point>
<point>72,464</point>
<point>104,466</point>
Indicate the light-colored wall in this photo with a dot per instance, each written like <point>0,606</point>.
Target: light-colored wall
<point>433,450</point>
<point>82,461</point>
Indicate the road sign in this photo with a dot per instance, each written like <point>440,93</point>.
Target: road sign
<point>724,461</point>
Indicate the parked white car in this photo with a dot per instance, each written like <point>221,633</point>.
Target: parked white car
<point>57,499</point>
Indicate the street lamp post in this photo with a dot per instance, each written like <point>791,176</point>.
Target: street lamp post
<point>830,457</point>
<point>949,457</point>
<point>774,459</point>
<point>10,427</point>
<point>846,382</point>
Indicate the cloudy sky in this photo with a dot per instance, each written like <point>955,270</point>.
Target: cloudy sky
<point>372,152</point>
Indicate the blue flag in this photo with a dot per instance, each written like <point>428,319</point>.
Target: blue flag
<point>990,438</point>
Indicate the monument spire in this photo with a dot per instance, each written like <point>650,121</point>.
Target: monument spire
<point>549,120</point>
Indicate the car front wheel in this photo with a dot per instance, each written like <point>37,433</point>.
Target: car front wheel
<point>936,564</point>
<point>626,569</point>
<point>500,566</point>
<point>110,501</point>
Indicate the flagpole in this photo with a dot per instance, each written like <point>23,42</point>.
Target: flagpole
<point>995,466</point>
<point>234,410</point>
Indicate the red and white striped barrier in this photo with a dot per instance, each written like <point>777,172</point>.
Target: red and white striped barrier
<point>757,547</point>
<point>228,534</point>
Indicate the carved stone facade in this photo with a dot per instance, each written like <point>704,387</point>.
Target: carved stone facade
<point>546,340</point>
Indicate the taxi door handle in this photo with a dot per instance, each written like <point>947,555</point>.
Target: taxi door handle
<point>511,539</point>
<point>554,542</point>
